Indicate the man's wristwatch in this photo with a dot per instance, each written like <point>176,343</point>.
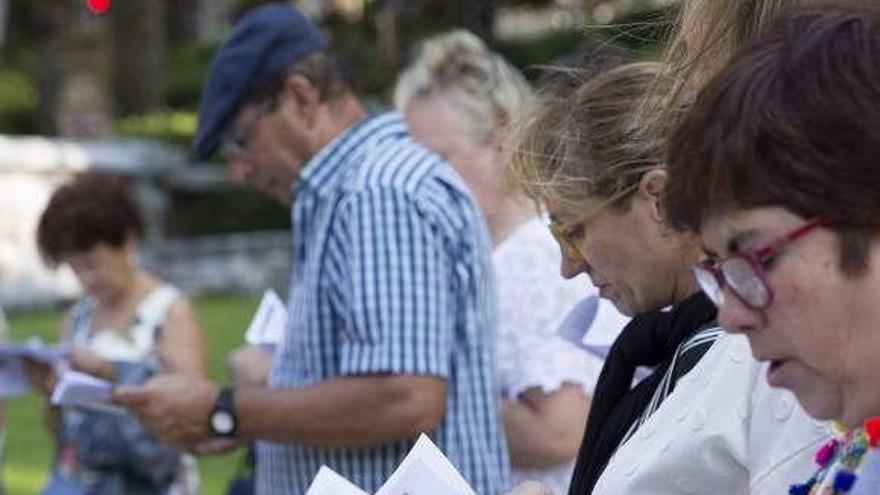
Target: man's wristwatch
<point>222,420</point>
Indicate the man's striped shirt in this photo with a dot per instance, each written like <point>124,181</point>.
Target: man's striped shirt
<point>391,273</point>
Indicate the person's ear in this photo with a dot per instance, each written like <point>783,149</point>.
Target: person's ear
<point>498,138</point>
<point>652,186</point>
<point>300,96</point>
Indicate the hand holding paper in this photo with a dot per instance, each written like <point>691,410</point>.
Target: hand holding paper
<point>24,364</point>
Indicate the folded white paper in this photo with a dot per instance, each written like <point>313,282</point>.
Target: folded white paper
<point>329,482</point>
<point>35,349</point>
<point>424,471</point>
<point>592,324</point>
<point>268,324</point>
<point>75,389</point>
<point>13,379</point>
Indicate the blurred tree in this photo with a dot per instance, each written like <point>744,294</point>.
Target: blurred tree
<point>386,21</point>
<point>139,52</point>
<point>4,21</point>
<point>63,49</point>
<point>241,7</point>
<point>181,20</point>
<point>44,23</point>
<point>477,16</point>
<point>394,21</point>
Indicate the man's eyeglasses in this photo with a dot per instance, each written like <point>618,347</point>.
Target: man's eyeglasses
<point>745,273</point>
<point>235,141</point>
<point>563,233</point>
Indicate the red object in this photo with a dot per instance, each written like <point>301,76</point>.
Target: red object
<point>98,6</point>
<point>872,429</point>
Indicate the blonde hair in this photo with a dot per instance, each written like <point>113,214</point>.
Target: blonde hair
<point>587,146</point>
<point>488,91</point>
<point>707,34</point>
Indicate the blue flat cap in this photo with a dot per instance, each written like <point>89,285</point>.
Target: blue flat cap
<point>263,44</point>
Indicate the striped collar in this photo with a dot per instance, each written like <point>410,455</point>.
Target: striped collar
<point>324,170</point>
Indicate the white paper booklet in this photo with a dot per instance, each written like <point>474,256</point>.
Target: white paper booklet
<point>267,326</point>
<point>424,471</point>
<point>35,349</point>
<point>329,482</point>
<point>593,325</point>
<point>13,379</point>
<point>75,389</point>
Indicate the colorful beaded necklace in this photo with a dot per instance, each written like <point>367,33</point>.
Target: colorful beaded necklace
<point>845,454</point>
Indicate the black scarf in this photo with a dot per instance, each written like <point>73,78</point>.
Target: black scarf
<point>648,340</point>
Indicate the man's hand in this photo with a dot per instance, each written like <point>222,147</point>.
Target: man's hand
<point>174,407</point>
<point>249,365</point>
<point>531,488</point>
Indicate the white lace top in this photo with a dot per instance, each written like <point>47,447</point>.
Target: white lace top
<point>534,299</point>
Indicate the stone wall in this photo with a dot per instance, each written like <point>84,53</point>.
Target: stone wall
<point>247,262</point>
<point>30,170</point>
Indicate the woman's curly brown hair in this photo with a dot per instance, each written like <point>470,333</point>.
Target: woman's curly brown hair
<point>92,209</point>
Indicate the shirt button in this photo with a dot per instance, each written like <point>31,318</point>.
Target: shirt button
<point>698,420</point>
<point>736,354</point>
<point>682,415</point>
<point>632,469</point>
<point>784,409</point>
<point>744,409</point>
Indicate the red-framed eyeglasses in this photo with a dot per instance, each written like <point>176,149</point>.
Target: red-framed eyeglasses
<point>744,273</point>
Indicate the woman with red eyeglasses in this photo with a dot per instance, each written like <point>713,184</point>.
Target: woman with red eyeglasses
<point>777,166</point>
<point>703,421</point>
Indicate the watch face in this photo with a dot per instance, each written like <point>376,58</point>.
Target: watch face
<point>222,422</point>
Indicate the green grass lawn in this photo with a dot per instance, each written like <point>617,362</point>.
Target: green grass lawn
<point>28,446</point>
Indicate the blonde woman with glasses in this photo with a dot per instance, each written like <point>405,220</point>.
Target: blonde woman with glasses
<point>459,99</point>
<point>704,421</point>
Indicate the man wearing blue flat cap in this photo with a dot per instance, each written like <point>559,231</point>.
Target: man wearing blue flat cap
<point>391,301</point>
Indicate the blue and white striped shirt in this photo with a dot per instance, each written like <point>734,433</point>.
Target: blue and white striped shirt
<point>391,273</point>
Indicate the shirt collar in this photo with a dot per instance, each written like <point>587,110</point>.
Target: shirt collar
<point>322,171</point>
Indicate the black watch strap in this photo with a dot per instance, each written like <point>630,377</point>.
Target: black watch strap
<point>226,399</point>
<point>223,421</point>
